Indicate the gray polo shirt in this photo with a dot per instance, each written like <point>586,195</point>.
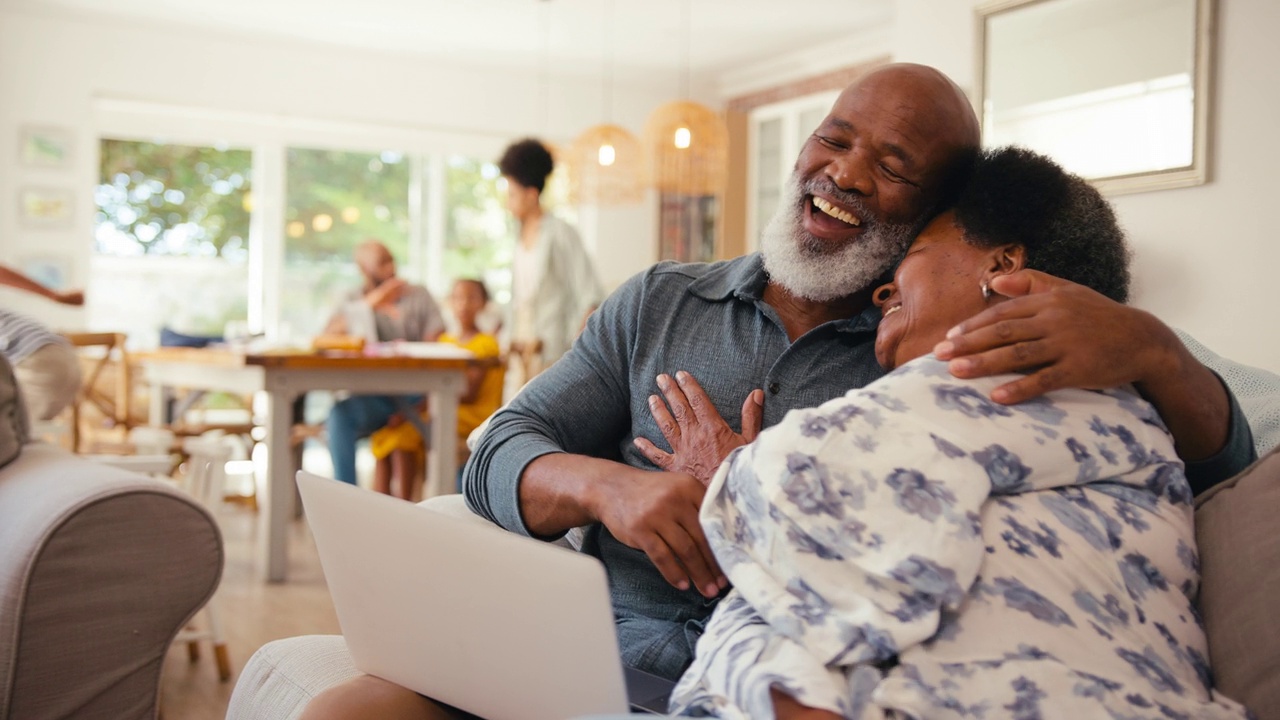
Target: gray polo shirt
<point>710,321</point>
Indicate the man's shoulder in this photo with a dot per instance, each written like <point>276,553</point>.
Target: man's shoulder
<point>417,293</point>
<point>712,280</point>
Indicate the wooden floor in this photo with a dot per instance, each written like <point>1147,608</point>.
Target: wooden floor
<point>252,613</point>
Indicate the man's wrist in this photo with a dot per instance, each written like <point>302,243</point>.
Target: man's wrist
<point>1166,359</point>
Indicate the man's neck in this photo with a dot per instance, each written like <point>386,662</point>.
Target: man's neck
<point>799,315</point>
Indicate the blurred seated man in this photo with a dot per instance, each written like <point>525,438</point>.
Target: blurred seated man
<point>386,308</point>
<point>44,363</point>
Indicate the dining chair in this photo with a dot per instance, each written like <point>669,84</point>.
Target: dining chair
<point>204,476</point>
<point>106,386</point>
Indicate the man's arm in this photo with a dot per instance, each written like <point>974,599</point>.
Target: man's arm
<point>1065,335</point>
<point>538,469</point>
<point>15,279</point>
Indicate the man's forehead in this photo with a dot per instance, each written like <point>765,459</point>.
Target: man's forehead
<point>898,128</point>
<point>907,117</point>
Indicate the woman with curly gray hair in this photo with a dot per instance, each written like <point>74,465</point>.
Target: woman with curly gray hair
<point>915,550</point>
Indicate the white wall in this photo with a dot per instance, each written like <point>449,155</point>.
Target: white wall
<point>60,69</point>
<point>1206,258</point>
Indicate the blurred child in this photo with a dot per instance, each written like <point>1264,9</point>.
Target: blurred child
<point>399,447</point>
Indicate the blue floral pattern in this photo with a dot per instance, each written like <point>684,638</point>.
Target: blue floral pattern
<point>1031,561</point>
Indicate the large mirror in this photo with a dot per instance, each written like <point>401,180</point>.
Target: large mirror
<point>1116,90</point>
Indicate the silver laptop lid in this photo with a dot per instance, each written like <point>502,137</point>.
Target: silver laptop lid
<point>466,613</point>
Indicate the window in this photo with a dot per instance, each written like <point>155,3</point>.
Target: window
<point>335,200</point>
<point>479,239</point>
<point>171,239</point>
<point>193,233</point>
<point>775,135</point>
<point>687,228</point>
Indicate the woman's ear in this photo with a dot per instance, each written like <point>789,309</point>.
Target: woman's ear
<point>1009,259</point>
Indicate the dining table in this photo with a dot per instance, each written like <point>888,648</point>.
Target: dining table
<point>433,369</point>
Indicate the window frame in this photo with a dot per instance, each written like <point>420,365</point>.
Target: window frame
<point>269,137</point>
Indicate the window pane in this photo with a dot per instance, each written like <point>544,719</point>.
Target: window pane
<point>479,237</point>
<point>770,171</point>
<point>807,122</point>
<point>334,201</point>
<point>171,242</point>
<point>687,231</point>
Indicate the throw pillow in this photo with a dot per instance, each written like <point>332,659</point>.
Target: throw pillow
<point>1239,544</point>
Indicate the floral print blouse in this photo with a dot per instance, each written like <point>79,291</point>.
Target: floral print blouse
<point>915,550</point>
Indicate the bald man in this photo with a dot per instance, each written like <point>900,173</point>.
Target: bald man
<point>386,308</point>
<point>790,327</point>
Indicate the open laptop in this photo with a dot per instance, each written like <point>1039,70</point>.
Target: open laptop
<point>466,613</point>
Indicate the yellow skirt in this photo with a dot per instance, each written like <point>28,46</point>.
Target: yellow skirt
<point>386,440</point>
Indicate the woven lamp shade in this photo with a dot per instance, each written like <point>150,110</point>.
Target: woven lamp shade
<point>688,149</point>
<point>600,177</point>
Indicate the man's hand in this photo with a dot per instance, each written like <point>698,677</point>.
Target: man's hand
<point>385,295</point>
<point>1064,335</point>
<point>657,513</point>
<point>1060,333</point>
<point>700,439</point>
<point>70,297</point>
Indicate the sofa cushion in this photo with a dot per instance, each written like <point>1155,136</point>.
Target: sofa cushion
<point>1240,562</point>
<point>13,415</point>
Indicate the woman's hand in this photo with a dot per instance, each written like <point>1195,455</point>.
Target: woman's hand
<point>700,439</point>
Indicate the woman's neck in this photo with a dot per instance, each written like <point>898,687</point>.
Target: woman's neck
<point>466,332</point>
<point>530,227</point>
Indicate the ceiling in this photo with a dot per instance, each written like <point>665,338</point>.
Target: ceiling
<point>648,35</point>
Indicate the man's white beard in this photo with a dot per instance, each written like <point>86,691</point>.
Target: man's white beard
<point>811,269</point>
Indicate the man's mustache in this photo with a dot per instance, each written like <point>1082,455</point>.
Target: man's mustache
<point>823,185</point>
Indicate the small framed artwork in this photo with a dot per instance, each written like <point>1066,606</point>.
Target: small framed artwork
<point>46,207</point>
<point>48,147</point>
<point>53,272</point>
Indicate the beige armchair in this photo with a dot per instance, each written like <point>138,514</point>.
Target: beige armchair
<point>101,568</point>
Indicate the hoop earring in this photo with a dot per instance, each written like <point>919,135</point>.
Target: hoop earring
<point>986,290</point>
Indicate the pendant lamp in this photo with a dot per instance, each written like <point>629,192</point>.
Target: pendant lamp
<point>606,160</point>
<point>687,144</point>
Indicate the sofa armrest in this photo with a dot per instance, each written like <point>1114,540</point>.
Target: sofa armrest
<point>101,569</point>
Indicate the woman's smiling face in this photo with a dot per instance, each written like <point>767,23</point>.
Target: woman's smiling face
<point>936,286</point>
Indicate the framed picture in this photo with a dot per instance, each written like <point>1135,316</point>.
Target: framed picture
<point>54,272</point>
<point>46,207</point>
<point>47,147</point>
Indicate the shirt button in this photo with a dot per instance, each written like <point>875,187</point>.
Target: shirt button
<point>774,388</point>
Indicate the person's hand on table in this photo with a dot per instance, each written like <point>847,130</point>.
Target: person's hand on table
<point>657,513</point>
<point>700,438</point>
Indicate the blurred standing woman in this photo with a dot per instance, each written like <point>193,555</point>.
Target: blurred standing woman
<point>554,284</point>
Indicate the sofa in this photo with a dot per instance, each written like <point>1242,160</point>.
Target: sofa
<point>1240,562</point>
<point>100,570</point>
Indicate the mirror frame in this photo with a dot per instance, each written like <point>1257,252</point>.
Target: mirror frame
<point>1197,173</point>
